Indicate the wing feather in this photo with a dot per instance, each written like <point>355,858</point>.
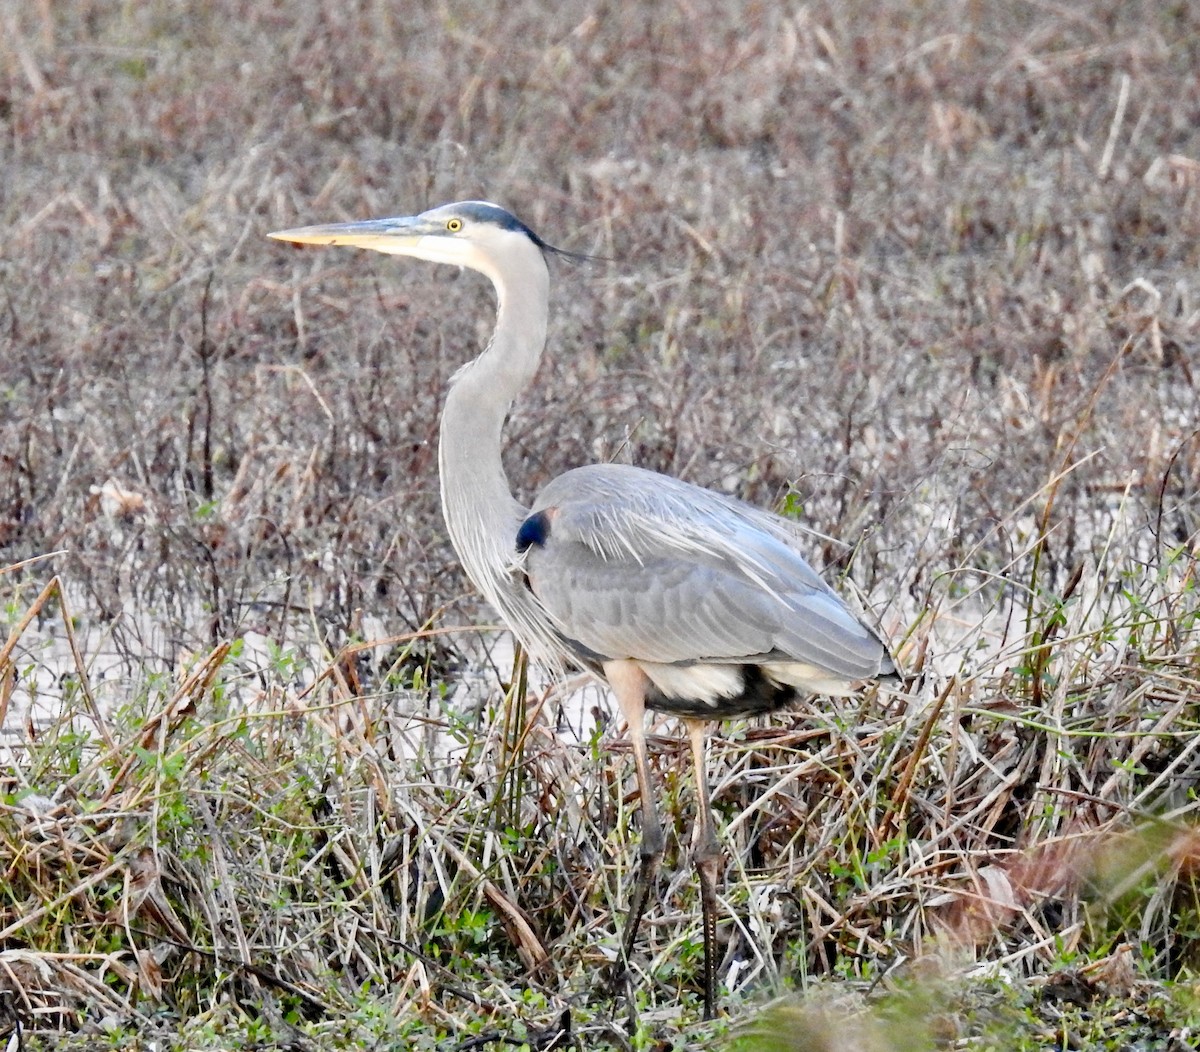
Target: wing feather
<point>639,565</point>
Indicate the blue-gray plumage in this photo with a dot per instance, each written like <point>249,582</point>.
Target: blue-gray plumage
<point>684,600</point>
<point>695,588</point>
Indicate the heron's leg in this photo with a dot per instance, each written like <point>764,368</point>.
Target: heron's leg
<point>706,853</point>
<point>629,684</point>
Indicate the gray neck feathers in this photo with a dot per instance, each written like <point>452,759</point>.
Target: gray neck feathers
<point>481,513</point>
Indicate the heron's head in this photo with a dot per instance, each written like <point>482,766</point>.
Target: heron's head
<point>474,234</point>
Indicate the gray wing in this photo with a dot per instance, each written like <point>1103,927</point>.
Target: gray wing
<point>632,564</point>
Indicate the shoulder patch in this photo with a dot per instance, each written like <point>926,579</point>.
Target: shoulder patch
<point>535,530</point>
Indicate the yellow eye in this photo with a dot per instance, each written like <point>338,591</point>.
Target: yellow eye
<point>454,225</point>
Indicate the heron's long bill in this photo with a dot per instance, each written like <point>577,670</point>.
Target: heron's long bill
<point>395,236</point>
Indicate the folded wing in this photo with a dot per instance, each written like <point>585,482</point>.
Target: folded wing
<point>629,564</point>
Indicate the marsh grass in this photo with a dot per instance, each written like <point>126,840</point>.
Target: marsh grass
<point>367,858</point>
<point>923,277</point>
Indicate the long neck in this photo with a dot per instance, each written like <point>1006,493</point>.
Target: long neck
<point>481,513</point>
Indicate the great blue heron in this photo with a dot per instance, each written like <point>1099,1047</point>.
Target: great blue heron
<point>686,601</point>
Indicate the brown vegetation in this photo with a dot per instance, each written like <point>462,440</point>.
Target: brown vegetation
<point>927,275</point>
